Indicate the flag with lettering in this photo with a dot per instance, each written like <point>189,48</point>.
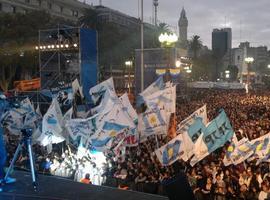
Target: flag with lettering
<point>216,134</point>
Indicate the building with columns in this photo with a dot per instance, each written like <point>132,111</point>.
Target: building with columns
<point>183,26</point>
<point>67,9</point>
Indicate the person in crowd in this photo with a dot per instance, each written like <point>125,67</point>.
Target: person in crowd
<point>86,179</point>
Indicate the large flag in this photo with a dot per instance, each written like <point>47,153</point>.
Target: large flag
<point>84,128</point>
<point>154,87</point>
<point>97,91</point>
<point>152,121</point>
<point>109,99</point>
<point>200,113</point>
<point>128,108</point>
<point>217,133</point>
<point>243,150</point>
<point>52,125</point>
<point>164,99</point>
<point>109,136</point>
<point>227,157</point>
<point>191,128</point>
<point>170,152</point>
<point>23,117</point>
<point>260,146</point>
<point>190,136</point>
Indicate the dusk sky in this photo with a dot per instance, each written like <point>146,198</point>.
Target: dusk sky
<point>248,19</point>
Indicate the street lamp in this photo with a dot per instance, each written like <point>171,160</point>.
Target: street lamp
<point>227,74</point>
<point>268,66</point>
<point>128,64</point>
<point>249,61</point>
<point>178,64</point>
<point>167,40</point>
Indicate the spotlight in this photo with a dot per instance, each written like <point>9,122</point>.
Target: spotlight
<point>66,45</point>
<point>57,46</point>
<point>49,46</point>
<point>52,46</point>
<point>75,45</point>
<point>41,47</point>
<point>44,47</point>
<point>62,46</point>
<point>36,47</point>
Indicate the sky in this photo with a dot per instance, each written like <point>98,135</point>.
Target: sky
<point>249,19</point>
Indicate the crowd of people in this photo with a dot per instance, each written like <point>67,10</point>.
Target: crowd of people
<point>138,168</point>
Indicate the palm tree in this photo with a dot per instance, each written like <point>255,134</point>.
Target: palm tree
<point>195,45</point>
<point>163,28</point>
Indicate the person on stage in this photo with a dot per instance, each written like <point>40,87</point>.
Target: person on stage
<point>3,153</point>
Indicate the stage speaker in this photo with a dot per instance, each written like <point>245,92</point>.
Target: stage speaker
<point>178,188</point>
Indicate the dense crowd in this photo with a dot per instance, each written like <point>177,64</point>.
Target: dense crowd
<point>138,168</point>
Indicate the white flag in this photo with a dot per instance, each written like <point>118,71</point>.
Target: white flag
<point>97,91</point>
<point>52,125</point>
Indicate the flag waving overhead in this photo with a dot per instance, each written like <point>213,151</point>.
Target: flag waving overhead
<point>19,118</point>
<point>52,125</point>
<point>154,87</point>
<point>170,152</point>
<point>217,133</point>
<point>152,121</point>
<point>128,108</point>
<point>164,99</point>
<point>97,91</point>
<point>84,128</point>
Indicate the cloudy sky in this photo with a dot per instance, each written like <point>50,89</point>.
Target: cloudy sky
<point>249,19</point>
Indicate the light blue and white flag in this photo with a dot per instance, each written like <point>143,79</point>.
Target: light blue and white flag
<point>191,128</point>
<point>217,133</point>
<point>84,128</point>
<point>164,99</point>
<point>260,146</point>
<point>98,91</point>
<point>127,107</point>
<point>152,121</point>
<point>52,125</point>
<point>18,118</point>
<point>243,150</point>
<point>108,136</point>
<point>154,87</point>
<point>171,152</point>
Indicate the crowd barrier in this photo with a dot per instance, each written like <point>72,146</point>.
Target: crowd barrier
<point>216,85</point>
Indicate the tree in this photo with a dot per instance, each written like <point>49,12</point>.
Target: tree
<point>195,45</point>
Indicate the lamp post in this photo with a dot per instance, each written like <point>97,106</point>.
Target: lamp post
<point>249,61</point>
<point>168,41</point>
<point>227,74</point>
<point>128,66</point>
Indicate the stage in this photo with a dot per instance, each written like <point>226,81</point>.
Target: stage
<point>56,188</point>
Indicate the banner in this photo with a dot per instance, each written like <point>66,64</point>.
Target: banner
<point>97,91</point>
<point>217,133</point>
<point>52,125</point>
<point>64,95</point>
<point>170,152</point>
<point>227,157</point>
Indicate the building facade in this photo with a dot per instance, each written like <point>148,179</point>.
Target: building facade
<point>183,26</point>
<point>67,9</point>
<point>258,67</point>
